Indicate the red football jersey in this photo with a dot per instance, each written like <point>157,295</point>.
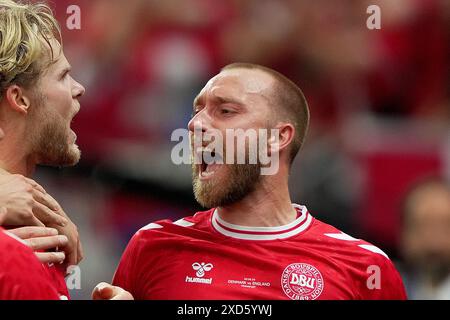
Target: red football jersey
<point>204,257</point>
<point>23,277</point>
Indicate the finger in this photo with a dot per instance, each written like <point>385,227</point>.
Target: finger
<point>74,257</point>
<point>33,232</point>
<point>35,185</point>
<point>80,252</point>
<point>48,216</point>
<point>60,210</point>
<point>44,243</point>
<point>33,221</point>
<point>102,291</point>
<point>58,206</point>
<point>121,294</point>
<point>71,259</point>
<point>51,257</point>
<point>46,199</point>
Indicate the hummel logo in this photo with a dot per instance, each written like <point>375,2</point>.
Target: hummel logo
<point>201,268</point>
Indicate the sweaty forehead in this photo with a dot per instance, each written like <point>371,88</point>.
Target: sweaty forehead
<point>242,82</point>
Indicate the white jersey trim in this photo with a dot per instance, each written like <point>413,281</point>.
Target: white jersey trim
<point>239,232</point>
<point>341,236</point>
<point>151,226</point>
<point>373,249</point>
<point>183,223</point>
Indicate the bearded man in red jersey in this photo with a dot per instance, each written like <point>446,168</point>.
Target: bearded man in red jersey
<point>253,243</point>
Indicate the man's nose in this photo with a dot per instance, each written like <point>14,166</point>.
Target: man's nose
<point>78,90</point>
<point>200,121</point>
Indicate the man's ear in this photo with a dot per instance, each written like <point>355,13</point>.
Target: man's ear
<point>17,99</point>
<point>281,138</point>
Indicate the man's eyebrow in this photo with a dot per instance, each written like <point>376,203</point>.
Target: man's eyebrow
<point>222,99</point>
<point>198,99</point>
<point>217,98</point>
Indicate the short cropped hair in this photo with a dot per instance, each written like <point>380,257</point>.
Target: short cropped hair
<point>290,100</point>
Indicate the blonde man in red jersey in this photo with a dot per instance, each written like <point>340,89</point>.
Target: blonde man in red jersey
<point>38,100</point>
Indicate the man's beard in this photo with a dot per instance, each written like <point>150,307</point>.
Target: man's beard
<point>241,180</point>
<point>51,144</point>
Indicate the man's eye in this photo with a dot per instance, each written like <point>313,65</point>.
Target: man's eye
<point>226,111</point>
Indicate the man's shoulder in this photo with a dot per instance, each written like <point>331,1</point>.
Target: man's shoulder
<point>341,245</point>
<point>360,260</point>
<point>156,239</point>
<point>167,229</point>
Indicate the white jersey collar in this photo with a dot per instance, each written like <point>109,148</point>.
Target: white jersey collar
<point>294,228</point>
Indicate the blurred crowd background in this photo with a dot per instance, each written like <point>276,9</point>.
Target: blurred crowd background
<point>380,118</point>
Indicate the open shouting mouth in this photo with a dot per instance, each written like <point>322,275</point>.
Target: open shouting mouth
<point>210,160</point>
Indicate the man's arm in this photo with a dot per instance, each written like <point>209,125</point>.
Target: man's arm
<point>382,281</point>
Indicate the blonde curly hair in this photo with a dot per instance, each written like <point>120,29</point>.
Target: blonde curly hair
<point>25,29</point>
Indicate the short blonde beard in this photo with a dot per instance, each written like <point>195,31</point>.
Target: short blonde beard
<point>50,144</point>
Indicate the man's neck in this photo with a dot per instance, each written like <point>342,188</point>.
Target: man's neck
<point>269,205</point>
<point>13,157</point>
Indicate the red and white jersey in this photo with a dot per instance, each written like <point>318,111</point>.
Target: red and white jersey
<point>23,277</point>
<point>204,257</point>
